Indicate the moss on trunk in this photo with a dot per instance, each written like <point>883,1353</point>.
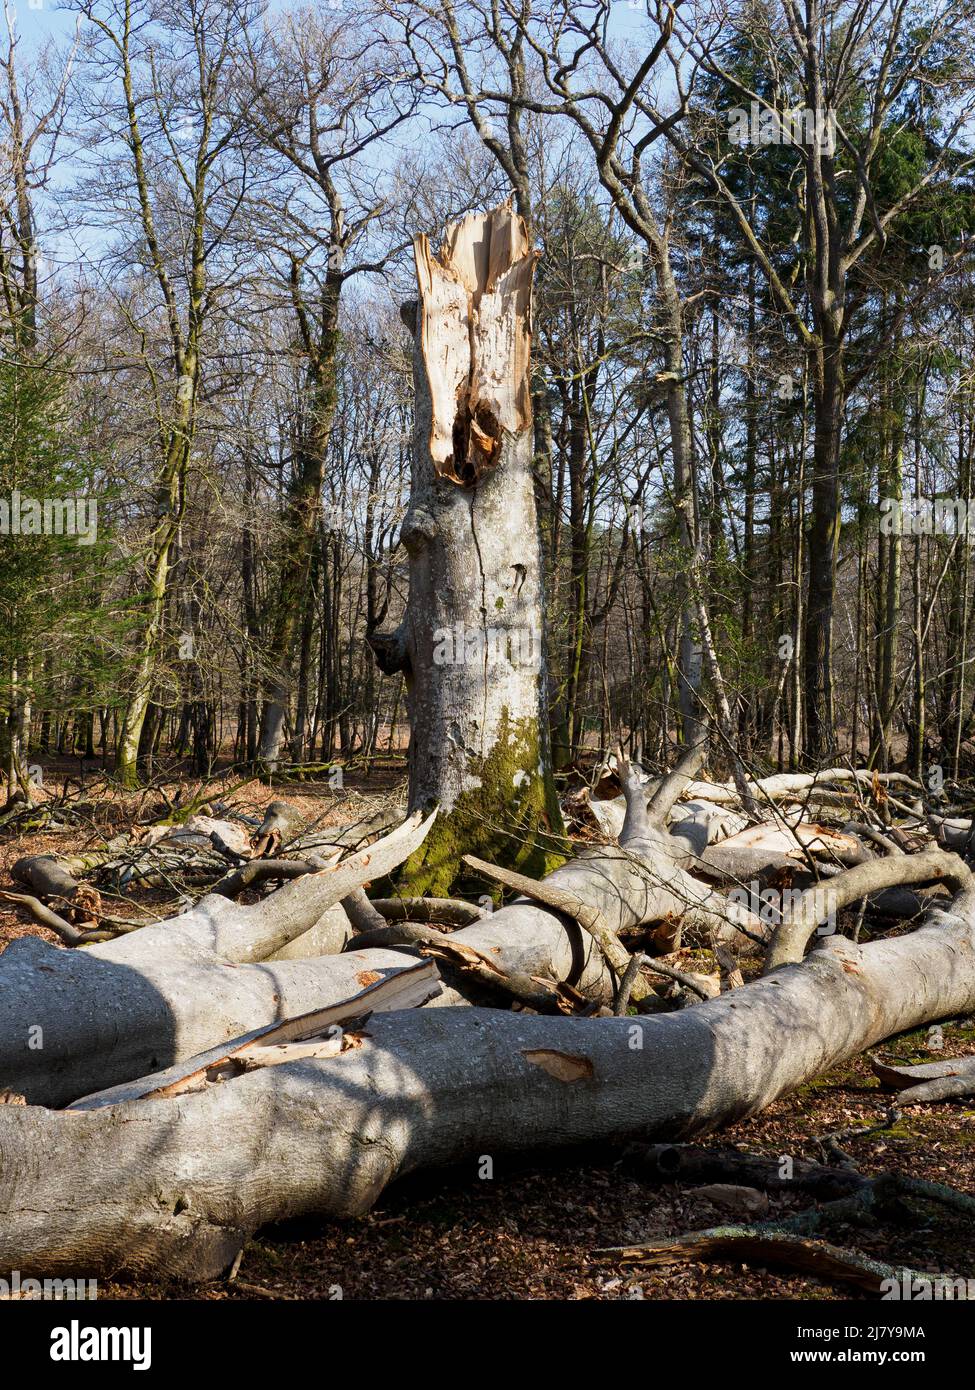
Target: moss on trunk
<point>511,818</point>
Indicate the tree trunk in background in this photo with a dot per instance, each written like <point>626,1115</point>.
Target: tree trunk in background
<point>250,680</point>
<point>570,730</point>
<point>470,643</point>
<point>691,655</point>
<point>953,730</point>
<point>302,518</point>
<point>916,729</point>
<point>170,495</point>
<point>824,537</point>
<point>300,733</point>
<point>890,484</point>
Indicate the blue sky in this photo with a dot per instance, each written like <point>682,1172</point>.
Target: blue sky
<point>39,19</point>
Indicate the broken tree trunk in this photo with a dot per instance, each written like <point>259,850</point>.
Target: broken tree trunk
<point>175,1186</point>
<point>470,643</point>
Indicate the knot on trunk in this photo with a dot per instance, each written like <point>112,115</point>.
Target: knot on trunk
<point>389,649</point>
<point>418,530</point>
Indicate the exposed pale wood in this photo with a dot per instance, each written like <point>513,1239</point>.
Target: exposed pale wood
<point>469,643</point>
<point>475,334</point>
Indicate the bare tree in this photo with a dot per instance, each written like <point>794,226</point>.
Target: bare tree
<point>156,83</point>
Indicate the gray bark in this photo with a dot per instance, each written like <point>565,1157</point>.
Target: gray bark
<point>163,993</point>
<point>470,643</point>
<point>76,1021</point>
<point>175,1187</point>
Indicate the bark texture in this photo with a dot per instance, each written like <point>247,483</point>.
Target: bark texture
<point>471,640</point>
<point>76,1021</point>
<point>176,1186</point>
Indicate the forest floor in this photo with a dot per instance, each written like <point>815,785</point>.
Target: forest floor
<point>531,1229</point>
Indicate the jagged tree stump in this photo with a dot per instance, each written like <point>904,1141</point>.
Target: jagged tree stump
<point>470,643</point>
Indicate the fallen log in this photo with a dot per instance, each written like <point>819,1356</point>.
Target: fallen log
<point>53,880</point>
<point>693,1163</point>
<point>764,1246</point>
<point>408,989</point>
<point>930,1081</point>
<point>115,1011</point>
<point>257,872</point>
<point>281,824</point>
<point>176,1186</point>
<point>397,934</point>
<point>953,833</point>
<point>447,912</point>
<point>791,784</point>
<point>331,934</point>
<point>76,1021</point>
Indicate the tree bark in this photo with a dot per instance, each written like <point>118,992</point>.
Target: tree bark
<point>470,643</point>
<point>174,1187</point>
<point>165,992</point>
<point>76,1021</point>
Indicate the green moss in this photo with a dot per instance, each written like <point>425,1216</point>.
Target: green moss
<point>512,818</point>
<point>916,1046</point>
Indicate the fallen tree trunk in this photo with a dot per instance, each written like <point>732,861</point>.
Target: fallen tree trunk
<point>792,784</point>
<point>176,1186</point>
<point>116,1011</point>
<point>75,1021</point>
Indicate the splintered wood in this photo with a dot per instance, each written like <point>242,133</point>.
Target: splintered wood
<point>320,1033</point>
<point>474,323</point>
